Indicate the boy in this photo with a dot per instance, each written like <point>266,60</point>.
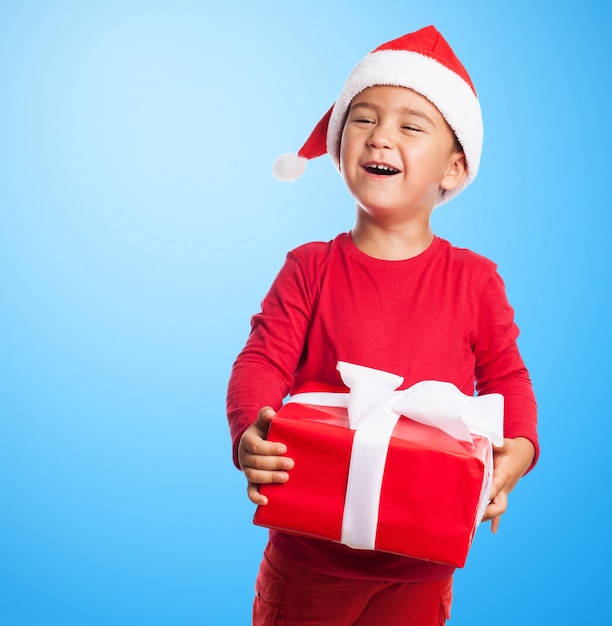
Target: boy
<point>406,135</point>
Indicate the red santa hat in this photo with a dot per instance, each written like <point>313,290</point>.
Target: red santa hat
<point>422,61</point>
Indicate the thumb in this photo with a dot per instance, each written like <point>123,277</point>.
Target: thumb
<point>264,418</point>
<point>501,448</point>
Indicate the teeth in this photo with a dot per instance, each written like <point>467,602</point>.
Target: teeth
<point>380,166</point>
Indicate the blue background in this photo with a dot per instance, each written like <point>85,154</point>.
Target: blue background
<point>140,227</point>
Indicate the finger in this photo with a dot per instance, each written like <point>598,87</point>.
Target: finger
<point>255,437</point>
<point>497,507</point>
<point>256,479</point>
<point>501,448</point>
<point>268,462</point>
<point>495,524</point>
<point>253,445</point>
<point>265,477</point>
<point>259,428</point>
<point>500,478</point>
<point>255,496</point>
<point>264,417</point>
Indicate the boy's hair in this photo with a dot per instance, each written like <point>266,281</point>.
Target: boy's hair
<point>422,61</point>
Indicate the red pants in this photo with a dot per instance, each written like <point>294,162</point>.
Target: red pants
<point>288,594</point>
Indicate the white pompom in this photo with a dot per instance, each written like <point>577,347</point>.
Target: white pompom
<point>289,167</point>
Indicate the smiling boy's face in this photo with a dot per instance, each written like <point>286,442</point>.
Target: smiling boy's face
<point>398,154</point>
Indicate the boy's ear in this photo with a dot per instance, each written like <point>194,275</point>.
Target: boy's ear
<point>456,172</point>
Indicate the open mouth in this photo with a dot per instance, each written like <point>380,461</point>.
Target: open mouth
<point>380,169</point>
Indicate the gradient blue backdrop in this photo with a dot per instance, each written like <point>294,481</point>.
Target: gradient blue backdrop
<point>140,227</point>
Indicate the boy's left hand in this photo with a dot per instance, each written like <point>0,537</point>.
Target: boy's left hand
<point>510,462</point>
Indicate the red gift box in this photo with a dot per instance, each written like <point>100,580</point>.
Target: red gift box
<point>433,491</point>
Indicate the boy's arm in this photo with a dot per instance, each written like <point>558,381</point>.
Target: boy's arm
<point>510,462</point>
<point>500,369</point>
<point>263,372</point>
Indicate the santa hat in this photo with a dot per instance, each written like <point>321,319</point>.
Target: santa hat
<point>422,61</point>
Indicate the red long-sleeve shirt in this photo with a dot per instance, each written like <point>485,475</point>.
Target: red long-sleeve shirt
<point>442,315</point>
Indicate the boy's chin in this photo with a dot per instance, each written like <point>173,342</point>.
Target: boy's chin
<point>384,212</point>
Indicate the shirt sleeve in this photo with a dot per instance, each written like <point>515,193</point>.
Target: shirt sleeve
<point>263,372</point>
<point>500,367</point>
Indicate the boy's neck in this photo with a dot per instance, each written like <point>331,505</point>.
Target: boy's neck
<point>392,243</point>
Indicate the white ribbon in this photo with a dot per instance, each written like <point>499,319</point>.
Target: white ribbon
<point>374,407</point>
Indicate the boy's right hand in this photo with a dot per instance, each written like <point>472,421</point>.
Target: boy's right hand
<point>262,461</point>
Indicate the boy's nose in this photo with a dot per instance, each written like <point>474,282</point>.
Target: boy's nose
<point>381,137</point>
